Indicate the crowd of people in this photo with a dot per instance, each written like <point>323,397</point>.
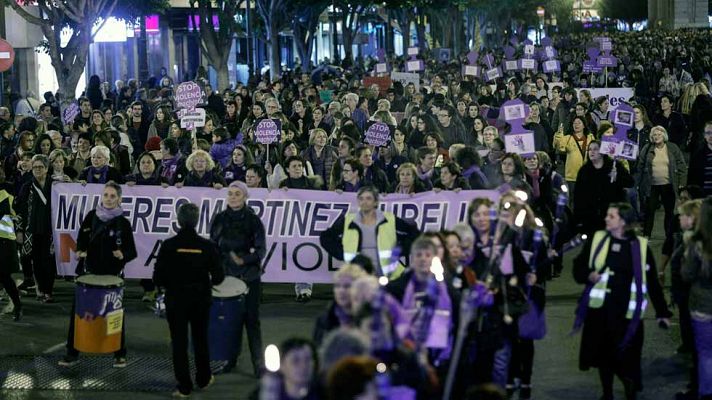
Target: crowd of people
<point>445,135</point>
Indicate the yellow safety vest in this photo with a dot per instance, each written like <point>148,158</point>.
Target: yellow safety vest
<point>597,262</point>
<point>7,225</point>
<point>386,241</point>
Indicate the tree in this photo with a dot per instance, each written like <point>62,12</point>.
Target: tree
<point>274,15</point>
<point>350,13</point>
<point>216,43</point>
<point>305,21</point>
<point>84,18</point>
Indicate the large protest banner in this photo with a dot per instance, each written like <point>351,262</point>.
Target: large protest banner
<point>293,221</point>
<point>615,96</point>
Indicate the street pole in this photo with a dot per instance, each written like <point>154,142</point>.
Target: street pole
<point>335,36</point>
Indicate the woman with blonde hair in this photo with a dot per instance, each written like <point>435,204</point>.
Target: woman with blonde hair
<point>408,182</point>
<point>201,171</point>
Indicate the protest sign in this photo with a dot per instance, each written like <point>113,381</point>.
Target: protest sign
<point>378,134</point>
<point>70,113</point>
<point>383,82</point>
<point>190,119</point>
<point>521,143</point>
<point>188,95</point>
<point>268,131</point>
<point>405,78</point>
<point>616,96</point>
<point>293,221</point>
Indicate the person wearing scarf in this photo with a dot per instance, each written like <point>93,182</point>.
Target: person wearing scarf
<point>105,244</point>
<point>34,226</point>
<point>408,183</point>
<point>426,303</point>
<point>172,168</point>
<point>100,171</point>
<point>340,312</point>
<point>612,263</point>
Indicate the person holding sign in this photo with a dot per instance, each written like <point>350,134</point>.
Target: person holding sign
<point>575,147</point>
<point>105,244</point>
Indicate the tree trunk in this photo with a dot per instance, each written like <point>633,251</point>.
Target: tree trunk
<point>420,29</point>
<point>223,75</point>
<point>67,82</point>
<point>275,63</point>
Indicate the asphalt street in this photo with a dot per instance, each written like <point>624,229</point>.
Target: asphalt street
<point>29,350</point>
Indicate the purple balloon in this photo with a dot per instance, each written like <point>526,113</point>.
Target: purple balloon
<point>489,59</point>
<point>593,52</point>
<point>381,54</point>
<point>472,57</point>
<point>514,41</point>
<point>546,42</point>
<point>528,42</point>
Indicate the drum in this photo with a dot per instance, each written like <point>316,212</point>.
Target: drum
<point>99,314</point>
<point>226,319</point>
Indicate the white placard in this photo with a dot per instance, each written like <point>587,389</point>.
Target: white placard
<point>615,96</point>
<point>514,112</point>
<point>413,51</point>
<point>511,65</point>
<point>381,68</point>
<point>528,63</point>
<point>193,118</point>
<point>406,77</point>
<point>413,65</point>
<point>4,55</point>
<point>529,49</point>
<point>520,143</point>
<point>472,70</point>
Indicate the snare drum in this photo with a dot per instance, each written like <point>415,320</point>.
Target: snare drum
<point>225,318</point>
<point>99,314</point>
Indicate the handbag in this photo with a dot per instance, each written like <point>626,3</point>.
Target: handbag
<point>532,324</point>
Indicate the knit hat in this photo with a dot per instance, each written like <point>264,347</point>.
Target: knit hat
<point>240,185</point>
<point>153,143</point>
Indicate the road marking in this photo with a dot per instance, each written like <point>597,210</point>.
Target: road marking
<point>55,348</point>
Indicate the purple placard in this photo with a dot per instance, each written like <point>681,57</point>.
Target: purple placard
<point>378,134</point>
<point>623,118</point>
<point>268,131</point>
<point>70,113</point>
<point>414,65</point>
<point>515,112</point>
<point>628,150</point>
<point>550,66</point>
<point>607,61</point>
<point>188,95</point>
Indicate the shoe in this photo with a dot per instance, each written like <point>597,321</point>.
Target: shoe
<point>306,297</point>
<point>27,286</point>
<point>149,296</point>
<point>120,362</point>
<point>210,382</point>
<point>525,392</point>
<point>17,314</point>
<point>177,393</point>
<point>47,299</point>
<point>300,298</point>
<point>68,361</point>
<point>225,369</point>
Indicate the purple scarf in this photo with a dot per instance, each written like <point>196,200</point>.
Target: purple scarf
<point>440,327</point>
<point>425,176</point>
<point>170,167</point>
<point>106,214</point>
<point>97,171</point>
<point>476,171</point>
<point>344,318</point>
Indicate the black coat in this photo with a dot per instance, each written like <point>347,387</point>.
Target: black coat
<point>594,191</point>
<point>605,327</point>
<point>240,231</point>
<point>111,175</point>
<point>100,239</point>
<point>188,263</point>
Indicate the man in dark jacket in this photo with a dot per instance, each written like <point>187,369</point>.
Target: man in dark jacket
<point>700,171</point>
<point>187,267</point>
<point>240,236</point>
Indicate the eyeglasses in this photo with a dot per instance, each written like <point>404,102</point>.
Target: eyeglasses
<point>348,170</point>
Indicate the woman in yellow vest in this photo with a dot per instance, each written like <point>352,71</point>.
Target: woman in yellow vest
<point>8,249</point>
<point>619,270</point>
<point>372,233</point>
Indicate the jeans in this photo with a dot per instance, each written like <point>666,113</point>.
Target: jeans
<point>703,344</point>
<point>500,370</point>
